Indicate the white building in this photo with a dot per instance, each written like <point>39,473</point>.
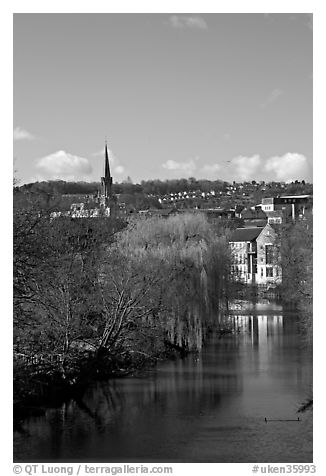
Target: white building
<point>254,255</point>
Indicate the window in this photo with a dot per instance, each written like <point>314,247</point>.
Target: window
<point>261,272</point>
<point>254,265</point>
<point>269,254</point>
<point>269,272</point>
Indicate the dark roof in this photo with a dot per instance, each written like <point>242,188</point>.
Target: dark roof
<point>274,213</point>
<point>253,214</point>
<point>246,234</point>
<point>295,196</point>
<point>161,211</point>
<point>257,222</point>
<point>285,212</point>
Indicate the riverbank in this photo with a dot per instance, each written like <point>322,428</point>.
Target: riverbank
<point>37,387</point>
<point>191,409</point>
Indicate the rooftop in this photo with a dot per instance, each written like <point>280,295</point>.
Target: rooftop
<point>161,211</point>
<point>295,196</point>
<point>246,234</point>
<point>288,197</point>
<point>275,213</point>
<point>252,214</point>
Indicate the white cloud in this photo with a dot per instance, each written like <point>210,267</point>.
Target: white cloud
<point>119,169</point>
<point>291,166</point>
<point>272,97</point>
<point>187,168</point>
<point>210,169</point>
<point>246,167</point>
<point>22,134</point>
<point>193,22</point>
<point>286,168</point>
<point>63,165</point>
<point>191,168</point>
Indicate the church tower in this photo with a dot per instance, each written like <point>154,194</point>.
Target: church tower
<point>107,200</point>
<point>106,181</point>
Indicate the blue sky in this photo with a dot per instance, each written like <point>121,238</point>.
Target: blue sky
<point>217,96</point>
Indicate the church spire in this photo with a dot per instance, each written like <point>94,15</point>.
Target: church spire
<point>106,181</point>
<point>107,174</point>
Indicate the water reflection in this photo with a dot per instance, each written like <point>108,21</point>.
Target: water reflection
<point>206,407</point>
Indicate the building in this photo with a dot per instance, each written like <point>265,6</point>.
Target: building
<point>292,206</point>
<point>218,213</point>
<point>161,213</point>
<point>105,197</point>
<point>253,217</point>
<point>104,203</point>
<point>277,217</point>
<point>254,255</point>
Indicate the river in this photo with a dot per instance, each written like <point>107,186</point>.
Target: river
<point>209,407</point>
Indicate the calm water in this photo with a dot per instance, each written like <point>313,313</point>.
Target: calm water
<point>206,408</point>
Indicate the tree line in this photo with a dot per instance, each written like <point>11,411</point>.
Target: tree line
<point>163,187</point>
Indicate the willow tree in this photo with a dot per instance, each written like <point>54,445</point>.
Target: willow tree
<point>185,246</point>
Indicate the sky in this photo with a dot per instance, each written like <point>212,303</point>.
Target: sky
<point>215,96</point>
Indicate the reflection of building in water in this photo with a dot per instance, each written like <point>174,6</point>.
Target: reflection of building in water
<point>259,327</point>
<point>264,334</point>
